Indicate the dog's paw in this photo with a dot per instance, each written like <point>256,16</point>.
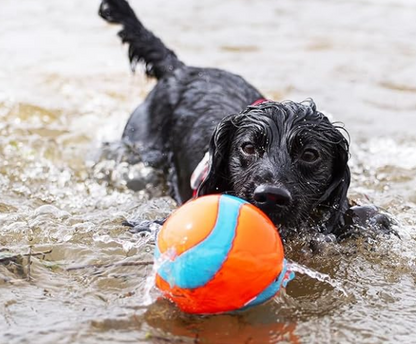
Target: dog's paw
<point>144,226</point>
<point>369,219</point>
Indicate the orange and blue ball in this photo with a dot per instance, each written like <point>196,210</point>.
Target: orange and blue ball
<point>217,254</point>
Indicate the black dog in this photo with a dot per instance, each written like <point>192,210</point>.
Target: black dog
<point>286,158</point>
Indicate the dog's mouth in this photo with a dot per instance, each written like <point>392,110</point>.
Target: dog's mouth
<point>286,219</point>
<point>280,219</point>
<point>287,228</point>
<point>280,216</point>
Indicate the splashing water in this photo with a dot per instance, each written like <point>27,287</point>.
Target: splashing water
<point>295,267</point>
<point>149,286</point>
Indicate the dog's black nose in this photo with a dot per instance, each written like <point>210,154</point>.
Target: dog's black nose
<point>270,196</point>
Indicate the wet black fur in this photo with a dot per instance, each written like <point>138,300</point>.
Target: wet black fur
<point>282,133</point>
<point>192,110</point>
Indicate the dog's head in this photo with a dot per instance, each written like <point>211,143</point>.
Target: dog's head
<point>287,159</point>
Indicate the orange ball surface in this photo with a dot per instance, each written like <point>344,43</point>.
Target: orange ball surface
<point>217,253</point>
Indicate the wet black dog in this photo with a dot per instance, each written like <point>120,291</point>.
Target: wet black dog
<point>286,158</point>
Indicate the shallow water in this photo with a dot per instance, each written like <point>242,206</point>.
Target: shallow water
<point>70,273</point>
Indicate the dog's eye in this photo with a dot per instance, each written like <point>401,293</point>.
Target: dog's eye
<point>310,155</point>
<point>248,148</point>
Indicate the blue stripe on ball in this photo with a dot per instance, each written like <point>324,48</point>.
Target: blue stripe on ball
<point>197,266</point>
<point>273,288</point>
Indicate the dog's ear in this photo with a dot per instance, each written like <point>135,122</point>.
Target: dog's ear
<point>335,198</point>
<point>218,178</point>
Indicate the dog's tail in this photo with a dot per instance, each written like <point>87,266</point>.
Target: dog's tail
<point>144,46</point>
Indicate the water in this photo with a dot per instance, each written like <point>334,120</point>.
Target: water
<point>319,276</point>
<point>65,87</point>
